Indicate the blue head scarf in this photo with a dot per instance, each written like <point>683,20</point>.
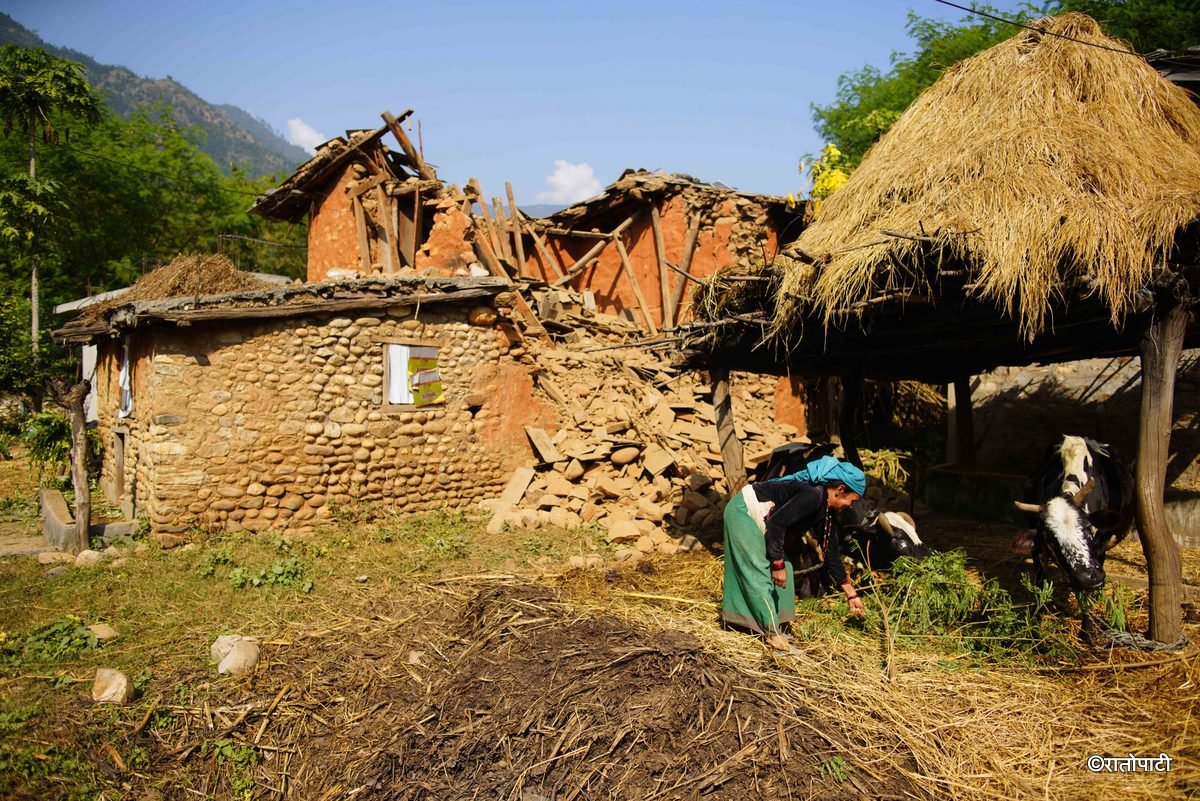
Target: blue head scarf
<point>828,468</point>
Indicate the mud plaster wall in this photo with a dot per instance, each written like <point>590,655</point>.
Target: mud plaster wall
<point>332,233</point>
<point>265,426</point>
<point>733,229</point>
<point>1019,411</point>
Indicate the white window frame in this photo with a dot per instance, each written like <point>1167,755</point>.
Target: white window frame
<point>397,395</point>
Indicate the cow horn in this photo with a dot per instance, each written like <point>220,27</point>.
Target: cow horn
<point>1084,491</point>
<point>885,525</point>
<point>1037,509</point>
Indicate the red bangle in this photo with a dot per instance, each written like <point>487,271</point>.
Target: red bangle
<point>780,565</point>
<point>851,597</point>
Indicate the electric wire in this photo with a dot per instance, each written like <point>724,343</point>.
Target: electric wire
<point>1038,30</point>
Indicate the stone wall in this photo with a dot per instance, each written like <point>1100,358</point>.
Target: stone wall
<point>257,425</point>
<point>1019,411</point>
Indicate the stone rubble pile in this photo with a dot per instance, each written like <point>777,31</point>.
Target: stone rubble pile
<point>636,451</point>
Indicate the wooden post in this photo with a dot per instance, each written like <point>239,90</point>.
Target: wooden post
<point>389,243</point>
<point>689,247</point>
<point>637,290</point>
<point>1161,347</point>
<point>822,400</point>
<point>71,400</point>
<point>587,258</point>
<point>961,440</point>
<point>364,245</point>
<point>666,312</point>
<point>487,218</point>
<point>423,169</point>
<point>514,217</point>
<point>852,386</point>
<point>502,228</point>
<point>731,447</point>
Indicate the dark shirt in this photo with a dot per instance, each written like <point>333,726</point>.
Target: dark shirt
<point>802,506</point>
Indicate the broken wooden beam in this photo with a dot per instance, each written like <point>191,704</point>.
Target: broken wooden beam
<point>637,290</point>
<point>545,253</point>
<point>543,445</point>
<point>665,307</point>
<point>587,258</point>
<point>393,124</point>
<point>515,220</point>
<point>685,264</point>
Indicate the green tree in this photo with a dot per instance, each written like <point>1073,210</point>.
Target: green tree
<point>35,89</point>
<point>869,100</point>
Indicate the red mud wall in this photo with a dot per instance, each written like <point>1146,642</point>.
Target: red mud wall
<point>332,236</point>
<point>728,231</point>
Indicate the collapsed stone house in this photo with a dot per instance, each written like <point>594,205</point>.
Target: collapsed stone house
<point>263,407</point>
<point>235,406</point>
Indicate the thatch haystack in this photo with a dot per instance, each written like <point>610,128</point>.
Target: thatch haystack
<point>1045,168</point>
<point>187,275</point>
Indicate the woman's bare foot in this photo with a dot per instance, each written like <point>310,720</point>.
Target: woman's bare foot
<point>778,642</point>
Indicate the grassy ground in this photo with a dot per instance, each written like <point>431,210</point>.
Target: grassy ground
<point>416,657</point>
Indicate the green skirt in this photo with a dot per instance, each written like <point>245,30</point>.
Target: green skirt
<point>751,600</point>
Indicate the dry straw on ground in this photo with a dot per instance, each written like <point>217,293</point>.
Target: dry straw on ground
<point>621,684</point>
<point>1045,167</point>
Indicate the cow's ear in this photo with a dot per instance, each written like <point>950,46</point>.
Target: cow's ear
<point>1109,543</point>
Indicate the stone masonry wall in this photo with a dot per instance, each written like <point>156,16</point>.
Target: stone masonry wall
<point>268,425</point>
<point>1019,411</point>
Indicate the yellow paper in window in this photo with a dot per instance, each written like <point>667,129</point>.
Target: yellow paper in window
<point>423,376</point>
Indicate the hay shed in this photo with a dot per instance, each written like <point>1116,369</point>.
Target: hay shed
<point>1038,204</point>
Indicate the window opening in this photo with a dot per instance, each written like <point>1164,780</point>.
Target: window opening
<point>413,376</point>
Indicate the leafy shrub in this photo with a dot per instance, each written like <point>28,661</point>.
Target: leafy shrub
<point>47,437</point>
<point>936,598</point>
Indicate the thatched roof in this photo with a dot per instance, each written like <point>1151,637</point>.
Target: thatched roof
<point>1039,173</point>
<point>1043,170</point>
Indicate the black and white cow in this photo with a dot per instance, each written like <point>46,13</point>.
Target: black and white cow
<point>1082,495</point>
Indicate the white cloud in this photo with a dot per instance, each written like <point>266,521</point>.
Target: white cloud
<point>570,183</point>
<point>302,134</point>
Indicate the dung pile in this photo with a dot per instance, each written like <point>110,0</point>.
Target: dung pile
<point>538,703</point>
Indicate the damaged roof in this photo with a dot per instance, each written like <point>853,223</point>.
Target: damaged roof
<point>638,184</point>
<point>292,300</point>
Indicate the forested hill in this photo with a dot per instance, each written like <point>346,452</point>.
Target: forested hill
<point>232,135</point>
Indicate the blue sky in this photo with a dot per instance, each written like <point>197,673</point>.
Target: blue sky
<point>557,98</point>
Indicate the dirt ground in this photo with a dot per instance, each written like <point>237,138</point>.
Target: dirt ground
<point>417,669</point>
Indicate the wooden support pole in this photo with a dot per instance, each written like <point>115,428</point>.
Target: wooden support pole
<point>852,387</point>
<point>962,424</point>
<point>546,255</point>
<point>1162,345</point>
<point>587,258</point>
<point>685,263</point>
<point>502,229</point>
<point>71,400</point>
<point>389,244</point>
<point>731,446</point>
<point>637,290</point>
<point>486,254</point>
<point>364,243</point>
<point>515,219</point>
<point>393,124</point>
<point>487,217</point>
<point>665,309</point>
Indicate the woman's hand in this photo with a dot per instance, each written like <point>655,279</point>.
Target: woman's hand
<point>779,577</point>
<point>856,607</point>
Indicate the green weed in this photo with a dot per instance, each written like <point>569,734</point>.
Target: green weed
<point>54,641</point>
<point>836,768</point>
<point>936,600</point>
<point>238,761</point>
<point>289,572</point>
<point>19,510</point>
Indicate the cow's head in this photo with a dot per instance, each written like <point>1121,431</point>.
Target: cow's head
<point>880,538</point>
<point>1065,531</point>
